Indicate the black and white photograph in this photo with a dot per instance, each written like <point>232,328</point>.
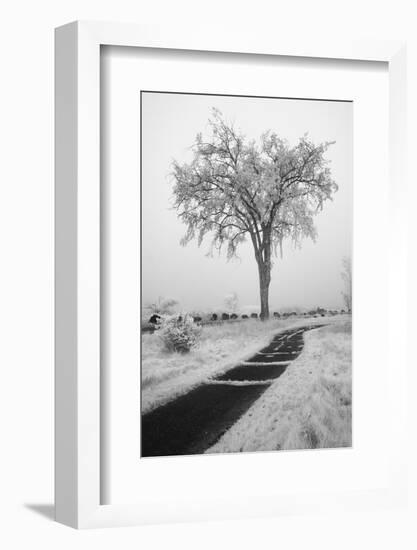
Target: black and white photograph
<point>246,273</point>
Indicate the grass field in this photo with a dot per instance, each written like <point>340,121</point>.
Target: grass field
<point>309,406</point>
<point>166,375</point>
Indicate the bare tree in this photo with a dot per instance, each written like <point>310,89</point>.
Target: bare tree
<point>162,306</point>
<point>347,280</point>
<point>234,188</point>
<point>231,302</point>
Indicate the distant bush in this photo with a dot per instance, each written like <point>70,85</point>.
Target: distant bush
<point>179,332</point>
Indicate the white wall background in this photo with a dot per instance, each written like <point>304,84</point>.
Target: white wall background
<point>26,300</point>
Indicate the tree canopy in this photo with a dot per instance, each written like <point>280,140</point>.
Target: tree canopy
<point>233,188</point>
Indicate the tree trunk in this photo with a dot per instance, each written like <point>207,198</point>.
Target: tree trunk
<point>264,280</point>
<point>263,259</point>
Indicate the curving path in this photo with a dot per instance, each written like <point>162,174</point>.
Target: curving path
<point>193,422</point>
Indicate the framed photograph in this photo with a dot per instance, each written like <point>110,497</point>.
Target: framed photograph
<point>229,220</point>
<point>221,326</point>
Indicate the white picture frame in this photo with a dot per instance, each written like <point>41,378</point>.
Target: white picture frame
<point>77,238</point>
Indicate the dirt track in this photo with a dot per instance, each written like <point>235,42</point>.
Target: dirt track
<point>193,422</point>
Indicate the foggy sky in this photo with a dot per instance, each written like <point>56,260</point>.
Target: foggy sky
<point>305,277</point>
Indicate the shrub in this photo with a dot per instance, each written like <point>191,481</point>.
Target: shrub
<point>179,332</point>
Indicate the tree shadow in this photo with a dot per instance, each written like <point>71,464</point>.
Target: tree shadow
<point>45,510</point>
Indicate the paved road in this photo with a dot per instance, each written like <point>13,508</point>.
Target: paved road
<point>193,422</point>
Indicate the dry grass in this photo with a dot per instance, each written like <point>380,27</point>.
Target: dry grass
<point>165,375</point>
<point>309,406</point>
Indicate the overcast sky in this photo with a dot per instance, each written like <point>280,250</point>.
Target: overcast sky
<point>306,277</point>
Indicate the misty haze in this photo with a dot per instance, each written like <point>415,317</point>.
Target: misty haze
<point>246,215</point>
